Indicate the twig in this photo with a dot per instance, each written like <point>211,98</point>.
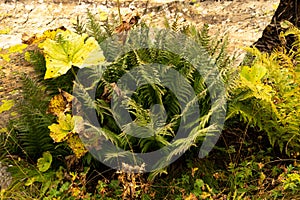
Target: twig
<point>119,11</point>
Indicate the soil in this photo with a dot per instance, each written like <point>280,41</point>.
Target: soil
<point>242,20</point>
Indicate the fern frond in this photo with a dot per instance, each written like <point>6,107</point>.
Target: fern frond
<point>94,27</point>
<point>272,104</point>
<point>31,126</point>
<point>79,26</point>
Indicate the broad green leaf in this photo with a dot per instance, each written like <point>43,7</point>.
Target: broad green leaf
<point>44,163</point>
<point>61,131</point>
<point>6,105</point>
<point>70,49</point>
<point>253,74</point>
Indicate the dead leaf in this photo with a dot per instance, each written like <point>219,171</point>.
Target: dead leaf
<point>129,21</point>
<point>191,197</point>
<point>77,146</point>
<point>37,38</point>
<point>60,103</point>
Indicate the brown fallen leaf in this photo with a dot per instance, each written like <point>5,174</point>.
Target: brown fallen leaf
<point>128,22</point>
<point>60,103</point>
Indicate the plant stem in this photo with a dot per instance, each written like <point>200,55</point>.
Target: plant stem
<point>119,11</point>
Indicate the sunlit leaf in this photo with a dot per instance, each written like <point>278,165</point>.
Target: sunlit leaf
<point>6,105</point>
<point>13,114</point>
<point>102,15</point>
<point>3,130</point>
<point>6,53</point>
<point>70,49</point>
<point>44,163</point>
<point>5,30</point>
<point>61,131</point>
<point>286,24</point>
<point>30,181</point>
<point>253,74</point>
<point>17,48</point>
<point>5,56</point>
<point>38,38</point>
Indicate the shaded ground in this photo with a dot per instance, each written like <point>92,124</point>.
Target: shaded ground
<point>243,21</point>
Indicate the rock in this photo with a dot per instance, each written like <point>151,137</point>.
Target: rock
<point>9,40</point>
<point>5,177</point>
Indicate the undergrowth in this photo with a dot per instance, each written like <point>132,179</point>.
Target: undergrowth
<point>48,160</point>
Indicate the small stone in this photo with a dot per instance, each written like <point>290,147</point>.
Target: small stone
<point>5,177</point>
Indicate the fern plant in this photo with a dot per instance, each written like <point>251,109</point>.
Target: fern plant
<point>30,127</point>
<point>29,133</point>
<point>149,98</point>
<point>267,94</point>
<point>152,105</point>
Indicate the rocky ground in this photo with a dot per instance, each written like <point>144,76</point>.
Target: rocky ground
<point>242,20</point>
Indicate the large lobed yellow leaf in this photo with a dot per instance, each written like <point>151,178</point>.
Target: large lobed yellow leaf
<point>66,130</point>
<point>70,49</point>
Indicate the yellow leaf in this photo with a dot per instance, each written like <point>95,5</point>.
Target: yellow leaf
<point>57,105</point>
<point>205,195</point>
<point>3,130</point>
<point>5,30</point>
<point>38,38</point>
<point>61,131</point>
<point>30,181</point>
<point>191,197</point>
<point>70,49</point>
<point>253,74</point>
<point>286,24</point>
<point>194,170</point>
<point>13,114</point>
<point>44,162</point>
<point>5,56</point>
<point>77,146</point>
<point>27,56</point>
<point>6,105</point>
<point>103,15</point>
<point>17,48</point>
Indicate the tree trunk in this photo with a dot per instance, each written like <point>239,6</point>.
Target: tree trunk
<point>287,10</point>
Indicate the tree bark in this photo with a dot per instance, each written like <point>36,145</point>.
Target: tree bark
<point>287,10</point>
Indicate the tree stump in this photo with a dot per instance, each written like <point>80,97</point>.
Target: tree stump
<point>287,10</point>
